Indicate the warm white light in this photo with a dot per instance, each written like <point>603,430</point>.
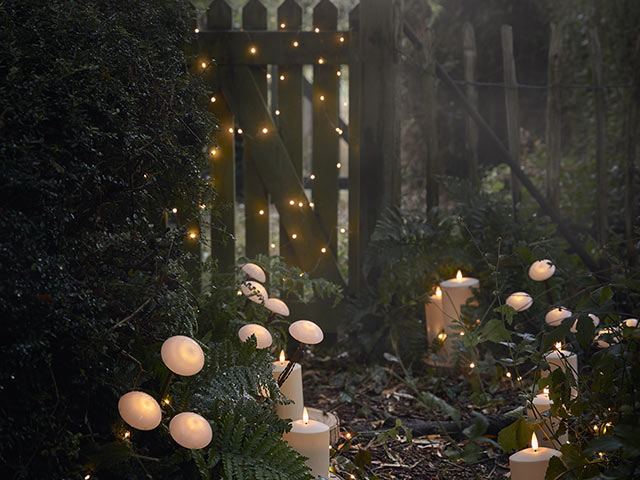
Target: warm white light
<point>508,374</point>
<point>292,202</point>
<point>166,401</point>
<point>282,357</point>
<point>196,30</point>
<point>339,130</point>
<point>348,435</point>
<point>323,250</point>
<point>321,60</point>
<point>472,365</point>
<point>268,76</point>
<point>193,235</point>
<point>213,99</point>
<point>438,292</point>
<point>322,98</point>
<point>534,442</point>
<point>300,204</point>
<point>265,130</point>
<point>254,271</point>
<point>140,410</point>
<point>174,210</point>
<point>341,39</point>
<point>254,291</point>
<point>317,30</point>
<point>339,73</point>
<point>239,292</point>
<point>312,177</point>
<point>126,435</point>
<point>541,270</point>
<point>203,206</point>
<point>311,204</point>
<point>295,44</point>
<point>263,336</point>
<point>462,334</point>
<point>182,355</point>
<point>343,230</point>
<point>87,476</point>
<point>519,301</point>
<point>545,391</point>
<point>459,275</point>
<point>190,430</point>
<point>213,152</point>
<point>558,345</point>
<point>294,236</point>
<point>253,50</point>
<point>273,245</point>
<point>230,130</point>
<point>281,77</point>
<point>555,317</point>
<point>276,305</point>
<point>204,65</point>
<point>305,415</point>
<point>260,212</point>
<point>277,112</point>
<point>306,331</point>
<point>630,322</point>
<point>442,336</point>
<point>282,25</point>
<point>338,165</point>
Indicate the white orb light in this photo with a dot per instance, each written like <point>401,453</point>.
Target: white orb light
<point>594,318</point>
<point>306,331</point>
<point>277,306</point>
<point>190,430</point>
<point>519,301</point>
<point>254,271</point>
<point>556,316</point>
<point>631,322</point>
<point>254,291</point>
<point>263,336</point>
<point>182,355</point>
<point>140,410</point>
<point>541,270</point>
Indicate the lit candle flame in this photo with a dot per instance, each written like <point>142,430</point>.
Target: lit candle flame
<point>459,275</point>
<point>438,292</point>
<point>305,416</point>
<point>534,442</point>
<point>558,345</point>
<point>545,390</point>
<point>282,356</point>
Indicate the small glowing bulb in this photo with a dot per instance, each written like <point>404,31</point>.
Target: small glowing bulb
<point>268,76</point>
<point>339,73</point>
<point>339,130</point>
<point>292,202</point>
<point>294,236</point>
<point>166,401</point>
<point>323,250</point>
<point>459,275</point>
<point>213,152</point>
<point>192,235</point>
<point>321,60</point>
<point>558,345</point>
<point>295,44</point>
<point>239,131</point>
<point>283,25</point>
<point>312,177</point>
<point>253,50</point>
<point>462,334</point>
<point>213,99</point>
<point>343,230</point>
<point>595,428</point>
<point>281,77</point>
<point>145,175</point>
<point>311,204</point>
<point>545,391</point>
<point>322,98</point>
<point>519,379</point>
<point>508,374</point>
<point>261,212</point>
<point>348,435</point>
<point>317,30</point>
<point>230,130</point>
<point>438,292</point>
<point>338,165</point>
<point>87,476</point>
<point>301,274</point>
<point>282,357</point>
<point>300,204</point>
<point>277,112</point>
<point>601,454</point>
<point>442,336</point>
<point>265,130</point>
<point>341,39</point>
<point>174,210</point>
<point>203,206</point>
<point>472,365</point>
<point>196,30</point>
<point>352,476</point>
<point>305,416</point>
<point>239,293</point>
<point>534,442</point>
<point>204,65</point>
<point>273,245</point>
<point>126,435</point>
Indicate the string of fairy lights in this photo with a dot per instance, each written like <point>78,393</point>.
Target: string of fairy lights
<point>252,50</point>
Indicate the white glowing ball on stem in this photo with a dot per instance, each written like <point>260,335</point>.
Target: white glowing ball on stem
<point>182,355</point>
<point>519,301</point>
<point>277,306</point>
<point>556,316</point>
<point>254,271</point>
<point>140,410</point>
<point>306,331</point>
<point>254,291</point>
<point>541,270</point>
<point>631,322</point>
<point>263,337</point>
<point>190,430</point>
<point>594,318</point>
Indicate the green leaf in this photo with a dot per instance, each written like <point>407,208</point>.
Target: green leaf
<point>478,427</point>
<point>516,436</point>
<point>495,331</point>
<point>362,458</point>
<point>555,468</point>
<point>557,334</point>
<point>506,311</point>
<point>585,331</point>
<point>606,294</point>
<point>605,443</point>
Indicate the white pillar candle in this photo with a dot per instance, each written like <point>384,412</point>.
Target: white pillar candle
<point>531,463</point>
<point>519,301</point>
<point>541,270</point>
<point>140,410</point>
<point>190,430</point>
<point>291,388</point>
<point>550,425</point>
<point>310,439</point>
<point>455,293</point>
<point>556,316</point>
<point>263,336</point>
<point>438,329</point>
<point>565,360</point>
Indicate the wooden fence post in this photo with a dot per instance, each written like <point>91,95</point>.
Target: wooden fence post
<point>601,160</point>
<point>512,108</point>
<point>380,28</point>
<point>470,58</point>
<point>554,115</point>
<point>256,198</point>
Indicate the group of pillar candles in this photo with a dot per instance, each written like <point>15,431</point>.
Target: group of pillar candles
<point>184,356</point>
<point>444,310</point>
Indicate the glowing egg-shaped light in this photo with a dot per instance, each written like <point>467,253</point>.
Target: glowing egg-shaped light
<point>594,318</point>
<point>140,410</point>
<point>263,336</point>
<point>190,430</point>
<point>541,270</point>
<point>182,355</point>
<point>254,291</point>
<point>554,317</point>
<point>277,306</point>
<point>601,342</point>
<point>631,322</point>
<point>254,271</point>
<point>306,331</point>
<point>519,301</point>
